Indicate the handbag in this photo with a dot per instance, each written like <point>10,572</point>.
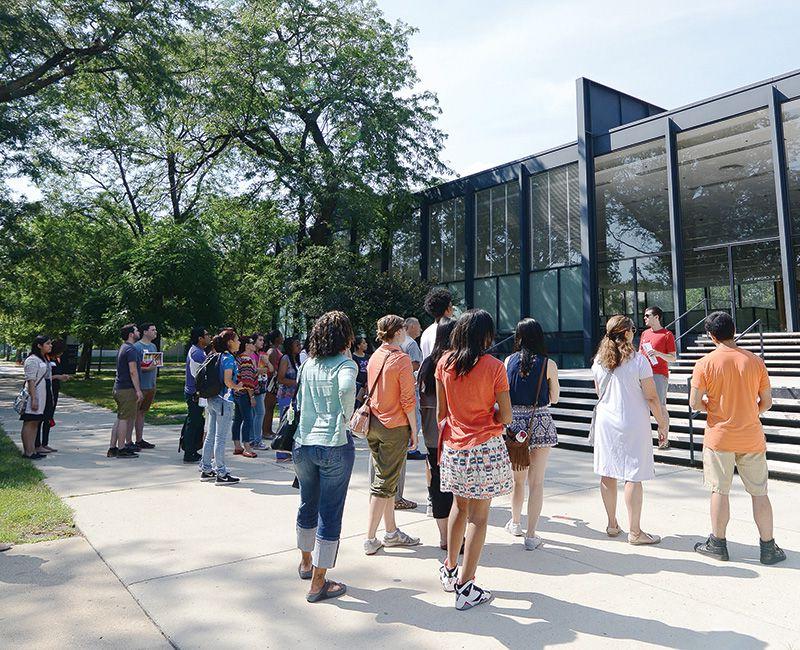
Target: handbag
<point>518,450</point>
<point>21,400</point>
<point>359,421</point>
<point>601,391</point>
<point>287,427</point>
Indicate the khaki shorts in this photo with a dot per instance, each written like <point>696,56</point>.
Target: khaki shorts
<point>147,400</point>
<point>388,448</point>
<point>718,471</point>
<point>126,403</point>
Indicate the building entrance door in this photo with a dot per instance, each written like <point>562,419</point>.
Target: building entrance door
<point>744,279</point>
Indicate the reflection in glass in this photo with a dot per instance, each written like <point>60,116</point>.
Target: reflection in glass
<point>555,218</point>
<point>544,299</point>
<point>791,136</point>
<point>509,308</point>
<point>497,230</point>
<point>446,252</point>
<point>486,296</point>
<point>571,299</point>
<point>406,247</point>
<point>632,202</point>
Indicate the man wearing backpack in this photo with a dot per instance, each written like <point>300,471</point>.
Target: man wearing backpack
<point>192,435</point>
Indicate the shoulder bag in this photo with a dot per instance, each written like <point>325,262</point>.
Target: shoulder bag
<point>359,421</point>
<point>284,436</point>
<point>21,400</point>
<point>602,388</point>
<point>518,450</point>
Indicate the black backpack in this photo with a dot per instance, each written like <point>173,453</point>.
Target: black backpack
<point>209,377</point>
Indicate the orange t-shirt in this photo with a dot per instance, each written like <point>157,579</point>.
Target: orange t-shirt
<point>395,393</point>
<point>470,401</point>
<point>732,378</point>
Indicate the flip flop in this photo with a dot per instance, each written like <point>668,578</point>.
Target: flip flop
<point>327,592</point>
<point>643,539</point>
<point>304,575</point>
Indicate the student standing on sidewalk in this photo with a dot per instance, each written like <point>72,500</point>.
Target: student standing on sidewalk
<point>439,304</point>
<point>147,381</point>
<point>393,423</point>
<point>37,376</point>
<point>274,354</point>
<point>658,344</point>
<point>127,393</point>
<point>737,391</point>
<point>324,452</point>
<point>475,465</point>
<point>195,421</point>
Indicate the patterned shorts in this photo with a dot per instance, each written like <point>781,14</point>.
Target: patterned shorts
<point>483,472</point>
<point>539,423</point>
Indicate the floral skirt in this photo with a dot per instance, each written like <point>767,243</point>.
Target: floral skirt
<point>538,423</point>
<point>483,472</point>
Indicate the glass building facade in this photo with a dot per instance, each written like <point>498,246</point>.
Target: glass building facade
<point>689,209</point>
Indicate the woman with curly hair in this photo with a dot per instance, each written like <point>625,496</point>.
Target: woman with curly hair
<point>623,439</point>
<point>323,451</point>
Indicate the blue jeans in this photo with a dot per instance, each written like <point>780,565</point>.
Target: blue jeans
<point>324,474</point>
<point>243,419</point>
<point>258,419</point>
<point>220,416</point>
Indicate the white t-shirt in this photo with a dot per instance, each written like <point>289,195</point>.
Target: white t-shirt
<point>428,340</point>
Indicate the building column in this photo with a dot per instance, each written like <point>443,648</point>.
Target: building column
<point>525,242</point>
<point>469,241</point>
<point>675,231</point>
<point>591,309</point>
<point>784,216</point>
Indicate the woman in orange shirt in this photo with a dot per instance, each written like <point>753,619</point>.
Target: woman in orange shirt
<point>474,461</point>
<point>393,421</point>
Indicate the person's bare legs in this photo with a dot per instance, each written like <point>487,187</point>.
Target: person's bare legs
<point>114,430</point>
<point>139,425</point>
<point>389,522</point>
<point>762,513</point>
<point>28,435</point>
<point>477,520</point>
<point>442,525</point>
<point>518,495</point>
<point>377,511</point>
<point>536,486</point>
<point>129,424</point>
<point>123,435</point>
<point>608,490</point>
<point>720,514</point>
<point>456,527</point>
<point>633,501</point>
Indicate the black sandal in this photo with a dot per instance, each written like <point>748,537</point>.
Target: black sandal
<point>327,592</point>
<point>304,575</point>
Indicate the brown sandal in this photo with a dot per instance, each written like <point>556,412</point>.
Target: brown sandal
<point>613,532</point>
<point>404,504</point>
<point>643,539</point>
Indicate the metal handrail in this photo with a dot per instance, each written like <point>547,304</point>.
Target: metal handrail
<point>499,343</point>
<point>702,301</point>
<point>756,323</point>
<point>692,414</point>
<point>700,322</point>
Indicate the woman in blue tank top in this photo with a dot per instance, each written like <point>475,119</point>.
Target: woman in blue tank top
<point>530,368</point>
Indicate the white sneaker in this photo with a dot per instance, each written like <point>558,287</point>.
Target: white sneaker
<point>372,546</point>
<point>399,538</point>
<point>514,529</point>
<point>532,543</point>
<point>448,578</point>
<point>470,595</point>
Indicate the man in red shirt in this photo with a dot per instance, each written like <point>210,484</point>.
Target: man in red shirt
<point>658,345</point>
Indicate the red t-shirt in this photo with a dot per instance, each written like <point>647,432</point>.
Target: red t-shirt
<point>471,400</point>
<point>662,341</point>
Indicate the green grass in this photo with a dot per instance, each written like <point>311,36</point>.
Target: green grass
<point>169,406</point>
<point>29,510</point>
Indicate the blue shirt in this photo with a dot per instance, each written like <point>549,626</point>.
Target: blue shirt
<point>147,378</point>
<point>522,389</point>
<point>194,359</point>
<point>228,362</point>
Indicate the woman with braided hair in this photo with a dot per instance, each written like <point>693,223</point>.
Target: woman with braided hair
<point>623,439</point>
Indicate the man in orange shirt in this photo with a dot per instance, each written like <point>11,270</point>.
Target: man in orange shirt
<point>737,391</point>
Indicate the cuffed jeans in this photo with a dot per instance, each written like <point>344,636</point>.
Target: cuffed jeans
<point>243,419</point>
<point>258,419</point>
<point>220,417</point>
<point>324,474</point>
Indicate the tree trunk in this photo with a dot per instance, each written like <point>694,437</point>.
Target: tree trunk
<point>85,360</point>
<point>386,255</point>
<point>174,193</point>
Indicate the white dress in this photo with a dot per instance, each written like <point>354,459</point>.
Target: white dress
<point>623,439</point>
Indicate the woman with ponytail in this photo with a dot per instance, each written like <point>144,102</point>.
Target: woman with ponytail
<point>623,438</point>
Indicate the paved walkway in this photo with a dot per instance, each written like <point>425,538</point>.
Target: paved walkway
<point>211,566</point>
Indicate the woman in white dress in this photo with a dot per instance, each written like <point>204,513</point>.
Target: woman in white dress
<point>623,444</point>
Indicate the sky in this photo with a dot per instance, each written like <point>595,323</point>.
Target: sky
<point>505,70</point>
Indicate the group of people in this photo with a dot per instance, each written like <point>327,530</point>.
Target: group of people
<point>470,408</point>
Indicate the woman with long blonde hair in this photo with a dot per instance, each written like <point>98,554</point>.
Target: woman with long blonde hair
<point>623,442</point>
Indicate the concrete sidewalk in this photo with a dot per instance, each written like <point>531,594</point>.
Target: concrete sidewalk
<point>216,566</point>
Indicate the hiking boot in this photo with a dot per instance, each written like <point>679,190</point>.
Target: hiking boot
<point>771,553</point>
<point>470,595</point>
<point>399,538</point>
<point>713,547</point>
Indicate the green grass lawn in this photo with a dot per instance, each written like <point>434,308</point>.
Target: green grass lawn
<point>169,406</point>
<point>29,510</point>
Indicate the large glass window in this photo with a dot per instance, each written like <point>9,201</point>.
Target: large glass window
<point>447,250</point>
<point>406,247</point>
<point>633,240</point>
<point>791,135</point>
<point>556,290</point>
<point>497,230</point>
<point>730,225</point>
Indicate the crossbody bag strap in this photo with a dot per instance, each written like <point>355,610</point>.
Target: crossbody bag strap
<point>539,383</point>
<point>377,379</point>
